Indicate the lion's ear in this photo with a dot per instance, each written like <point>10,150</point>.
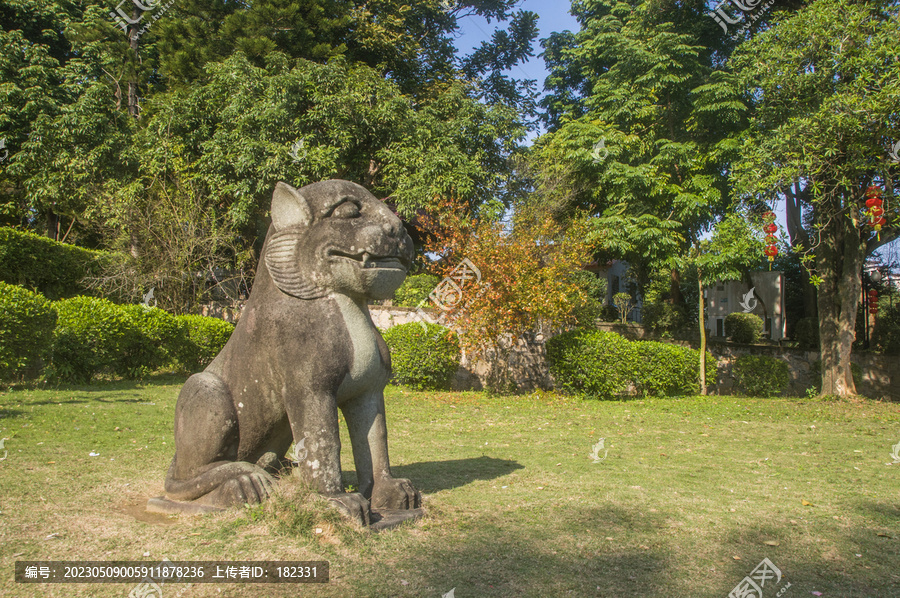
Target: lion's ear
<point>289,208</point>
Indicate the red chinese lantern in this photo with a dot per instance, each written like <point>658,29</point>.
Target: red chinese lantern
<point>770,229</point>
<point>874,210</point>
<point>873,301</point>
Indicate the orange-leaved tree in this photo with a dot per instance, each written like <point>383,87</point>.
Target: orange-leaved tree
<point>520,278</point>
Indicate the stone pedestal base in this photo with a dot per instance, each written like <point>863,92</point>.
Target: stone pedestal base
<point>388,518</point>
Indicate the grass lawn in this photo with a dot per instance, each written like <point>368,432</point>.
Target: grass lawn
<point>692,495</point>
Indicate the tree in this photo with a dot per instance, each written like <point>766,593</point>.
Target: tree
<point>826,87</point>
<point>640,115</point>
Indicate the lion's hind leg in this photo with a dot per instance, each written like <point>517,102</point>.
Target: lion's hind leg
<point>207,435</point>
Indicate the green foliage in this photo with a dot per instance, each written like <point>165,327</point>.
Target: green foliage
<point>663,369</point>
<point>56,270</point>
<point>806,333</point>
<point>663,318</point>
<point>590,362</point>
<point>159,339</point>
<point>423,358</point>
<point>743,328</point>
<point>415,289</point>
<point>90,338</point>
<point>26,331</point>
<point>205,338</point>
<point>761,376</point>
<point>886,335</point>
<point>593,308</point>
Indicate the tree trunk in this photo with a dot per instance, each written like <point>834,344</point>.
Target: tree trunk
<point>839,259</point>
<point>795,197</point>
<point>702,335</point>
<point>675,295</point>
<point>133,40</point>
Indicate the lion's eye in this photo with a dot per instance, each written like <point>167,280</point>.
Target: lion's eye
<point>347,209</point>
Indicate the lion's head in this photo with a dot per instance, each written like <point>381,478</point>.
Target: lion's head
<point>335,236</point>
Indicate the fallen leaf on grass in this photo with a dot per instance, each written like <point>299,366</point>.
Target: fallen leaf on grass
<point>806,503</point>
<point>737,558</point>
<point>771,542</point>
<point>883,535</point>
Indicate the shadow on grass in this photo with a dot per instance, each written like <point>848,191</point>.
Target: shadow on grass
<point>433,476</point>
<point>853,563</point>
<point>502,557</point>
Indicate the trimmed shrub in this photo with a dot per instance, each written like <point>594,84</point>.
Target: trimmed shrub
<point>160,339</point>
<point>53,269</point>
<point>414,289</point>
<point>761,376</point>
<point>590,362</point>
<point>26,331</point>
<point>205,338</point>
<point>90,337</point>
<point>662,369</point>
<point>423,358</point>
<point>743,328</point>
<point>662,318</point>
<point>806,333</point>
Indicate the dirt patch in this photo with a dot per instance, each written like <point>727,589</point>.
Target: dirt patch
<point>138,510</point>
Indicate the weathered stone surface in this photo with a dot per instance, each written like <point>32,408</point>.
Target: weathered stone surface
<point>304,347</point>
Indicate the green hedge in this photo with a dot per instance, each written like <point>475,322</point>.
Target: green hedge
<point>51,268</point>
<point>590,362</point>
<point>662,369</point>
<point>206,337</point>
<point>761,376</point>
<point>602,365</point>
<point>27,320</point>
<point>743,328</point>
<point>414,289</point>
<point>161,338</point>
<point>91,337</point>
<point>423,357</point>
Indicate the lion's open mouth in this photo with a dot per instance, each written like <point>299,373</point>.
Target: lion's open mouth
<point>368,260</point>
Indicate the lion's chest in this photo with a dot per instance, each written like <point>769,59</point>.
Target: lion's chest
<point>367,370</point>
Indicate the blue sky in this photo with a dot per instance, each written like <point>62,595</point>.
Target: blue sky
<point>552,16</point>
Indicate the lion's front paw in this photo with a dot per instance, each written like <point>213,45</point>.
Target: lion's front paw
<point>352,505</point>
<point>395,493</point>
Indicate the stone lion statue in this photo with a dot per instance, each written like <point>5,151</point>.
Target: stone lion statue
<point>305,346</point>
